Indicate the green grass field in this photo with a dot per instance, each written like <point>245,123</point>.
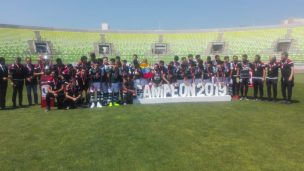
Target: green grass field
<point>237,135</point>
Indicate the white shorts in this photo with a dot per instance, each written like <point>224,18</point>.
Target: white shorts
<point>105,87</point>
<point>190,81</point>
<point>207,81</point>
<point>180,81</point>
<point>137,84</point>
<point>115,87</point>
<point>95,86</point>
<point>144,81</point>
<point>221,79</point>
<point>198,80</point>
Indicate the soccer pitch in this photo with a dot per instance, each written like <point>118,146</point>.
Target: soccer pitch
<point>237,135</point>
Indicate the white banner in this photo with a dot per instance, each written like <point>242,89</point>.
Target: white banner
<point>183,90</point>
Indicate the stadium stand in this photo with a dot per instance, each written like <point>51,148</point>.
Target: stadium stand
<point>13,42</point>
<point>71,44</point>
<point>252,42</point>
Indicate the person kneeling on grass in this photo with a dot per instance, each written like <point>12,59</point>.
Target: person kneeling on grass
<point>73,95</point>
<point>55,90</point>
<point>128,90</point>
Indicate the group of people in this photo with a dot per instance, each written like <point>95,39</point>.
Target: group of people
<point>111,82</point>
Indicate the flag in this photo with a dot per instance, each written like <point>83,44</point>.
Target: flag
<point>146,70</point>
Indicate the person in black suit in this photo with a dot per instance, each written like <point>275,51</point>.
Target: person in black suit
<point>18,74</point>
<point>3,82</point>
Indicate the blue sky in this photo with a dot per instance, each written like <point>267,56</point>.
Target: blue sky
<point>153,14</point>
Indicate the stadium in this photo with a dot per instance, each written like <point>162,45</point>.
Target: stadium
<point>70,44</point>
<point>203,133</point>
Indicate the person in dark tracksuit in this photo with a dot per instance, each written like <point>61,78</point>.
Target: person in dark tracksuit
<point>31,82</point>
<point>3,82</point>
<point>128,90</point>
<point>18,74</point>
<point>234,77</point>
<point>272,69</point>
<point>258,77</point>
<point>208,72</point>
<point>244,76</point>
<point>227,70</point>
<point>287,79</point>
<point>73,97</point>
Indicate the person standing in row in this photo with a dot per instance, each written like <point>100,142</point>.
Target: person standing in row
<point>234,77</point>
<point>287,79</point>
<point>95,86</point>
<point>31,82</point>
<point>18,74</point>
<point>3,82</point>
<point>244,72</point>
<point>259,73</point>
<point>272,78</point>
